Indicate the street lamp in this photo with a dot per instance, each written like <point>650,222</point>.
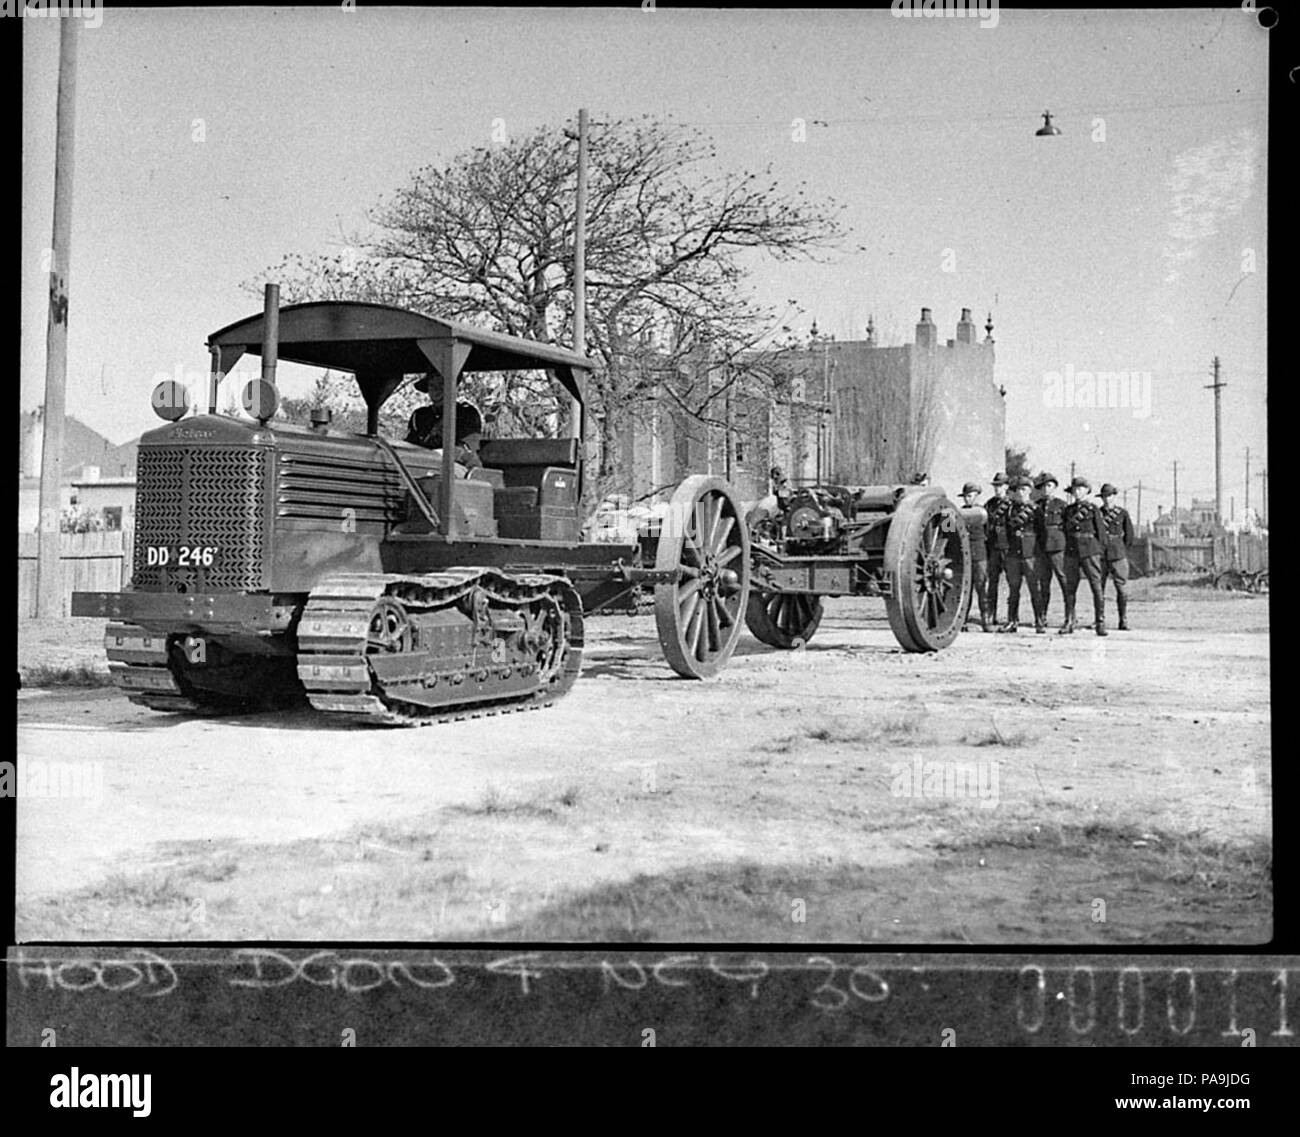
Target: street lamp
<point>1047,129</point>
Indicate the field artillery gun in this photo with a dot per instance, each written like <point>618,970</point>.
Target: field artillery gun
<point>378,579</point>
<point>1241,580</point>
<point>907,543</point>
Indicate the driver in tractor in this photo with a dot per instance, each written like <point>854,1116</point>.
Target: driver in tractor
<point>425,429</point>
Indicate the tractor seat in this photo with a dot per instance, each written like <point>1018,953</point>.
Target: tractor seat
<point>546,466</point>
<point>507,452</point>
<point>515,499</point>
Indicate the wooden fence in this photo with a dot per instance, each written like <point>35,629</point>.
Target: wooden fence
<point>91,562</point>
<point>1245,551</point>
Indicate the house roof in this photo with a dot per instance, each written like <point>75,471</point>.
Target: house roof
<point>82,447</point>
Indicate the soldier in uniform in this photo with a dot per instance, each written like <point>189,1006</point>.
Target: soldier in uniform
<point>977,531</point>
<point>1038,492</point>
<point>1050,561</point>
<point>1022,542</point>
<point>1114,560</point>
<point>996,540</point>
<point>1085,540</point>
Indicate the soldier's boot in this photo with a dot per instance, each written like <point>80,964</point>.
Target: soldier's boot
<point>1013,623</point>
<point>984,614</point>
<point>1121,602</point>
<point>1067,628</point>
<point>1101,620</point>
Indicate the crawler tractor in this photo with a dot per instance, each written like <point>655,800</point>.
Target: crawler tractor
<point>274,562</point>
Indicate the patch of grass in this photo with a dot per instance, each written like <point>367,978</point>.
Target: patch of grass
<point>1244,868</point>
<point>494,804</point>
<point>137,890</point>
<point>80,675</point>
<point>995,737</point>
<point>651,907</point>
<point>900,730</point>
<point>213,871</point>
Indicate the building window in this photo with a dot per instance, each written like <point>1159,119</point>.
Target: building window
<point>112,517</point>
<point>681,449</point>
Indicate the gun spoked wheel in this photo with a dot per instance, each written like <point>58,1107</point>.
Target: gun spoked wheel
<point>927,562</point>
<point>783,619</point>
<point>699,618</point>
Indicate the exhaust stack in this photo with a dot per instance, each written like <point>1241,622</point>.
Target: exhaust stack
<point>270,333</point>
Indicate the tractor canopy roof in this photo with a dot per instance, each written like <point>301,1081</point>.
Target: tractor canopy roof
<point>381,344</point>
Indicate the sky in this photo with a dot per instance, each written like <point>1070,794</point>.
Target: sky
<point>210,143</point>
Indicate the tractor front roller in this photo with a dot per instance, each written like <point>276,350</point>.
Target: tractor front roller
<point>153,670</point>
<point>699,618</point>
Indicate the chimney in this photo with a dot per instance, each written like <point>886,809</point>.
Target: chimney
<point>926,333</point>
<point>965,327</point>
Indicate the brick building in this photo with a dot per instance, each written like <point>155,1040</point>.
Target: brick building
<point>923,407</point>
<point>849,412</point>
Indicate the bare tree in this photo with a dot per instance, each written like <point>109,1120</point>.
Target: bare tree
<point>924,413</point>
<point>1017,461</point>
<point>488,238</point>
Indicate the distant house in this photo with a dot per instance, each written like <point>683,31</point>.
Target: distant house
<point>1169,525</point>
<point>87,457</point>
<point>111,500</point>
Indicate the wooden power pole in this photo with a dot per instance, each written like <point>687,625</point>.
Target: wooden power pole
<point>49,574</point>
<point>580,267</point>
<point>1217,387</point>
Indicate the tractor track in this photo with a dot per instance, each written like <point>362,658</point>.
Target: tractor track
<point>333,645</point>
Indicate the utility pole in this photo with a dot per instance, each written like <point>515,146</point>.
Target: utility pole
<point>1247,513</point>
<point>1139,516</point>
<point>580,267</point>
<point>1071,469</point>
<point>1263,508</point>
<point>1217,386</point>
<point>49,572</point>
<point>1175,492</point>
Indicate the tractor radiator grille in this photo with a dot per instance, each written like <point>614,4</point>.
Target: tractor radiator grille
<point>206,496</point>
<point>311,486</point>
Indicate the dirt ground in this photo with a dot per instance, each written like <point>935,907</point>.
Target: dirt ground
<point>1010,790</point>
